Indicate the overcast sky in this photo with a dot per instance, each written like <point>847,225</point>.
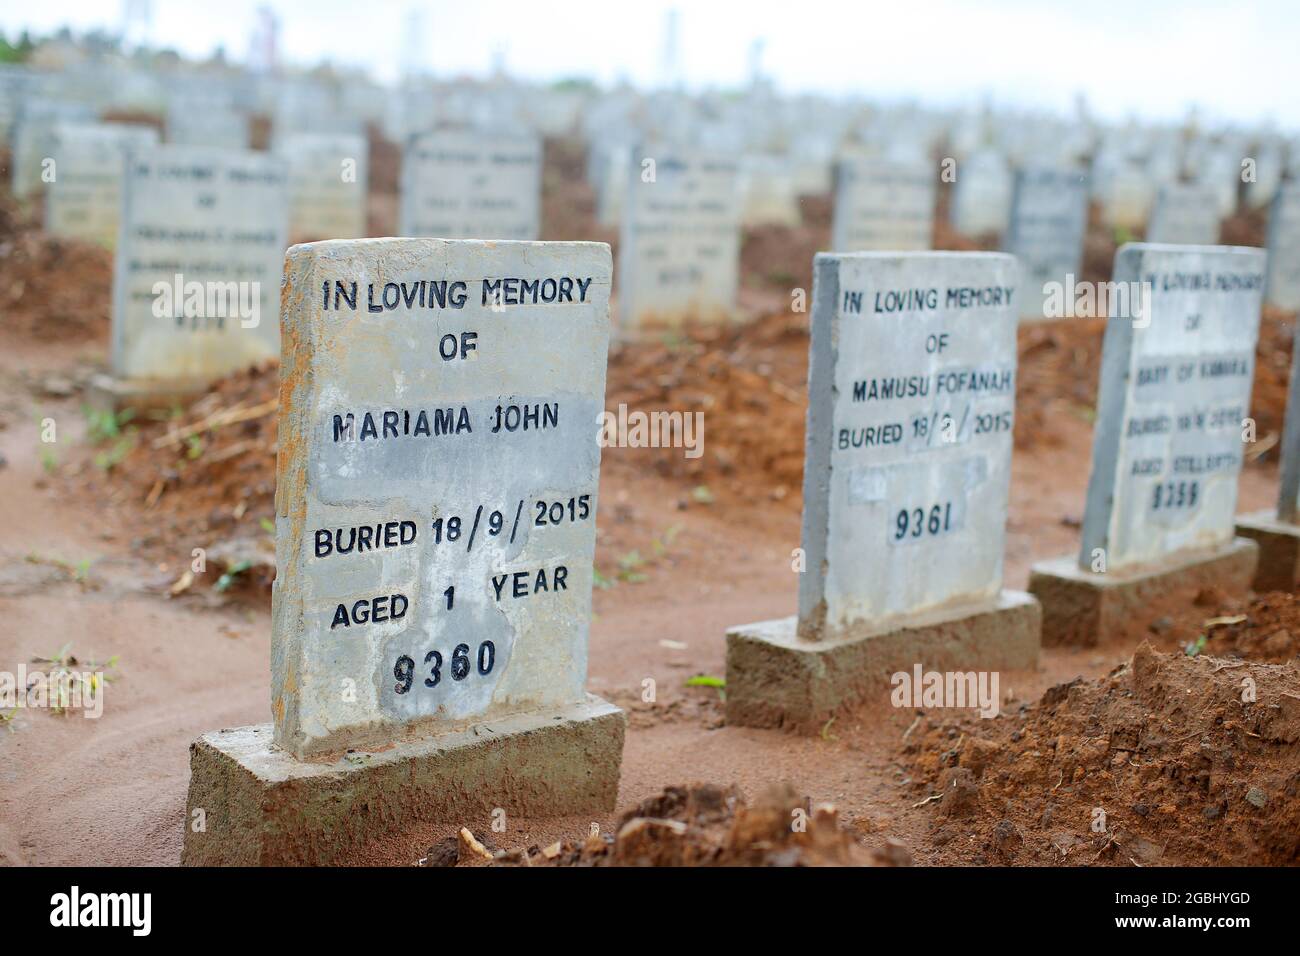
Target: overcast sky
<point>1152,58</point>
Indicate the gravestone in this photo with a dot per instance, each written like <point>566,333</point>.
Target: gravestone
<point>1049,216</point>
<point>769,192</point>
<point>196,280</point>
<point>1277,532</point>
<point>84,200</point>
<point>1174,396</point>
<point>1126,196</point>
<point>883,205</point>
<point>981,195</point>
<point>1283,289</point>
<point>679,246</point>
<point>327,185</point>
<point>33,133</point>
<point>471,185</point>
<point>435,533</point>
<point>199,123</point>
<point>911,399</point>
<point>1185,214</point>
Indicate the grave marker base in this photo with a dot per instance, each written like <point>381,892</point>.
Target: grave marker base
<point>1279,550</point>
<point>1084,608</point>
<point>263,807</point>
<point>110,394</point>
<point>775,679</point>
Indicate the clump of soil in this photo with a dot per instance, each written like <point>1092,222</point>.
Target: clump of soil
<point>1057,368</point>
<point>568,200</point>
<point>1170,760</point>
<point>205,478</point>
<point>750,383</point>
<point>54,289</point>
<point>705,825</point>
<point>1263,628</point>
<point>779,259</point>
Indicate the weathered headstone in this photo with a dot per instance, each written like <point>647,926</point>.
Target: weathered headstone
<point>769,192</point>
<point>981,194</point>
<point>883,205</point>
<point>84,199</point>
<point>1174,399</point>
<point>436,515</point>
<point>1278,532</point>
<point>471,185</point>
<point>327,185</point>
<point>196,282</point>
<point>31,168</point>
<point>1185,214</point>
<point>191,123</point>
<point>1283,289</point>
<point>1049,215</point>
<point>911,398</point>
<point>1126,196</point>
<point>679,247</point>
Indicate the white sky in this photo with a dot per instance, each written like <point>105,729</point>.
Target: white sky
<point>1153,58</point>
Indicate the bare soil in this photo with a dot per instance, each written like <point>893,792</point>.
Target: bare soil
<point>100,528</point>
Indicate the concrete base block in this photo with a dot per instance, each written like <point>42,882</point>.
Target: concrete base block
<point>264,807</point>
<point>1279,550</point>
<point>1085,608</point>
<point>775,679</point>
<point>115,394</point>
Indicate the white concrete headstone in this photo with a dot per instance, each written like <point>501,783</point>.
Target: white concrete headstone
<point>471,185</point>
<point>1049,216</point>
<point>1177,367</point>
<point>883,205</point>
<point>679,247</point>
<point>1283,288</point>
<point>1185,214</point>
<point>910,413</point>
<point>439,464</point>
<point>196,283</point>
<point>327,184</point>
<point>84,200</point>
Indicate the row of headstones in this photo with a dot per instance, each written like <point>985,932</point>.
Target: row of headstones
<point>680,238</point>
<point>436,507</point>
<point>191,217</point>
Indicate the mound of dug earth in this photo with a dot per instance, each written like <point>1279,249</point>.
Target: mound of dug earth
<point>1171,760</point>
<point>700,825</point>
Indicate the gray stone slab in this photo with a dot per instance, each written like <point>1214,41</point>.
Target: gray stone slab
<point>260,806</point>
<point>679,244</point>
<point>1081,607</point>
<point>328,175</point>
<point>471,185</point>
<point>1279,550</point>
<point>1049,216</point>
<point>85,199</point>
<point>910,415</point>
<point>32,147</point>
<point>1185,214</point>
<point>883,205</point>
<point>981,194</point>
<point>1288,499</point>
<point>775,678</point>
<point>1284,248</point>
<point>1174,393</point>
<point>196,280</point>
<point>436,501</point>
